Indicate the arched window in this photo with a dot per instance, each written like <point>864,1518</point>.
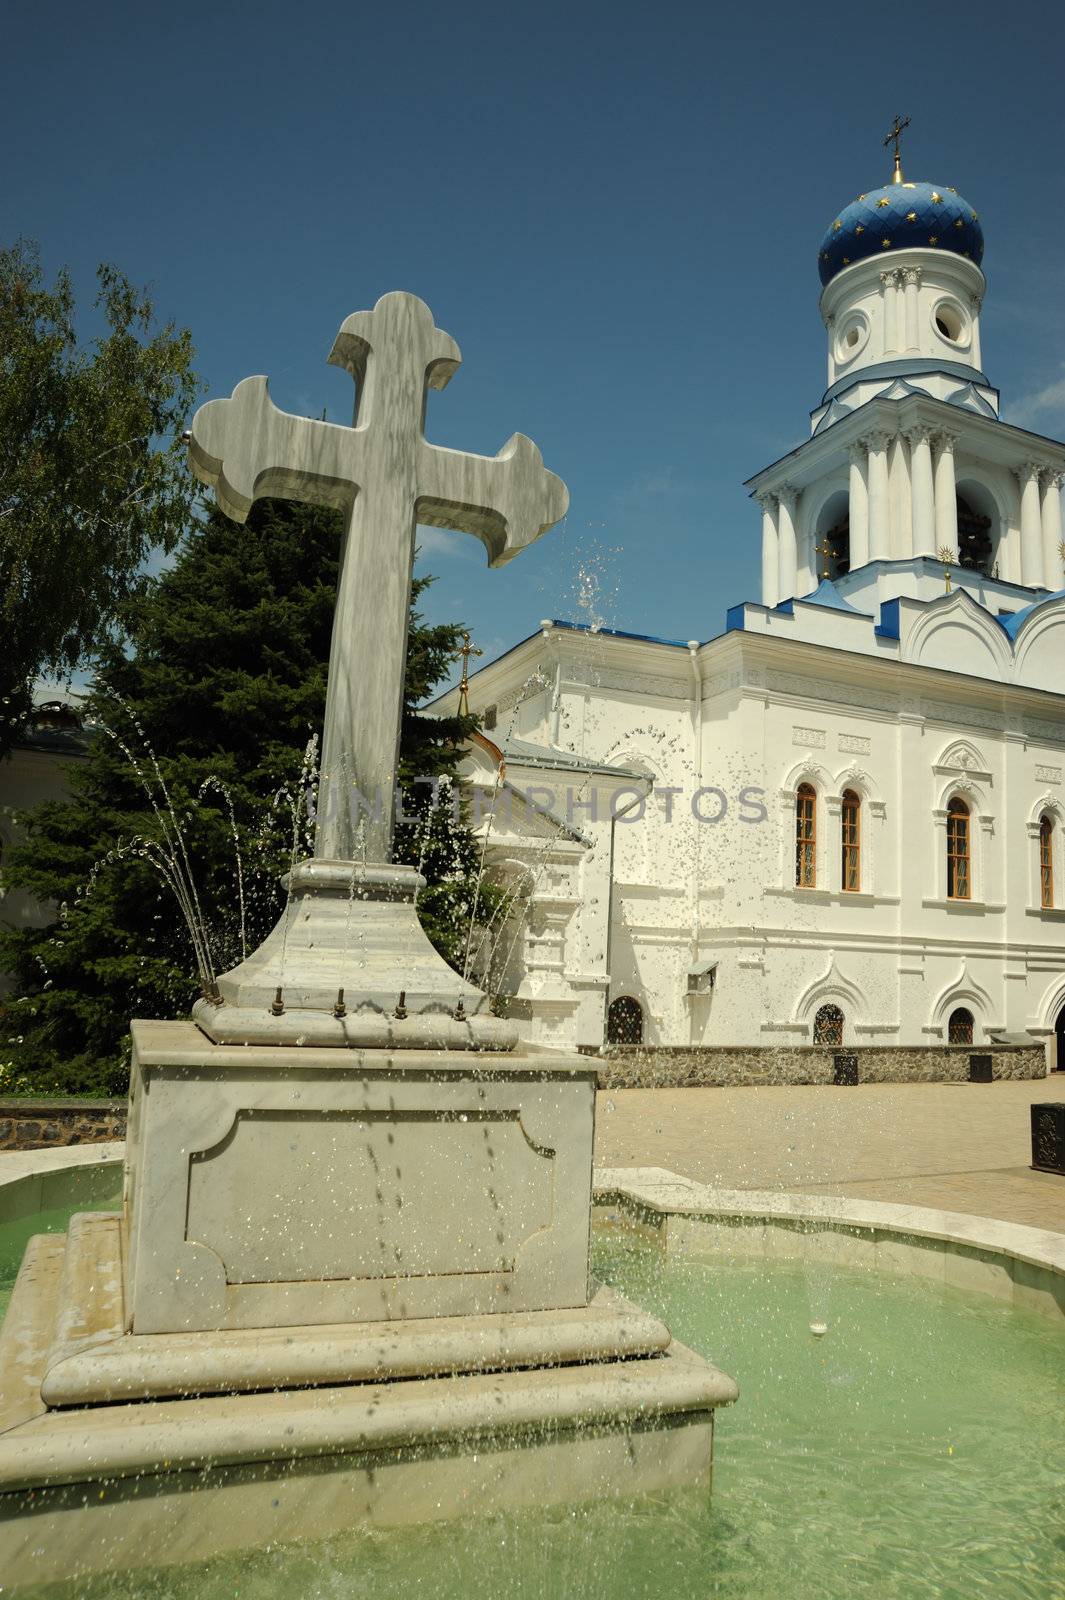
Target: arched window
<point>828,1026</point>
<point>805,836</point>
<point>1046,863</point>
<point>851,878</point>
<point>624,1021</point>
<point>959,867</point>
<point>960,1027</point>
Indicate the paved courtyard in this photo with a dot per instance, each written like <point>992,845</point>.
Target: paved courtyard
<point>954,1147</point>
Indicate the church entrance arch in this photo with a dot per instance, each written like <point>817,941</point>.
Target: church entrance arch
<point>1059,1042</point>
<point>624,1021</point>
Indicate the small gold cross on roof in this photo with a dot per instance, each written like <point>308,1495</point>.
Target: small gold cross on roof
<point>466,650</point>
<point>895,137</point>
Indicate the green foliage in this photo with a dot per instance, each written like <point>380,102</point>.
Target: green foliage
<point>92,473</point>
<point>223,678</point>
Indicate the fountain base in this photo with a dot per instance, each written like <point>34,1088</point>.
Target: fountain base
<point>112,1450</point>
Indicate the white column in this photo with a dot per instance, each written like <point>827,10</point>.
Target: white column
<point>1052,561</point>
<point>974,304</point>
<point>911,277</point>
<point>879,517</point>
<point>946,499</point>
<point>899,499</point>
<point>787,500</point>
<point>858,509</point>
<point>889,294</point>
<point>1031,524</point>
<point>922,491</point>
<point>770,550</point>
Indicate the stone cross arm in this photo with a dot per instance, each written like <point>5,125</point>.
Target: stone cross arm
<point>245,449</point>
<point>507,500</point>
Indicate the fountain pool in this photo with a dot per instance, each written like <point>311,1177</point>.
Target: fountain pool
<point>916,1449</point>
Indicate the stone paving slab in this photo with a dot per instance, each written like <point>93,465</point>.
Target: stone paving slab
<point>951,1147</point>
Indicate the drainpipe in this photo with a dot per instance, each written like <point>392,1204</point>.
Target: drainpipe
<point>547,628</point>
<point>697,768</point>
<point>615,816</point>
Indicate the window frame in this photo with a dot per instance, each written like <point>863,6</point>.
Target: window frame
<point>1046,862</point>
<point>850,836</point>
<point>958,812</point>
<point>805,836</point>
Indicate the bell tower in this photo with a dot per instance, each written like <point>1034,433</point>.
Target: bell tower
<point>909,468</point>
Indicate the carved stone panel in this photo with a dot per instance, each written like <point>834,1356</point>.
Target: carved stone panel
<point>289,1196</point>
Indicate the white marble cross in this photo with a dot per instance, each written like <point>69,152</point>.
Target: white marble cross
<point>386,476</point>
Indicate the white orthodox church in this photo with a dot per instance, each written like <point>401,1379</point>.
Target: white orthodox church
<point>841,819</point>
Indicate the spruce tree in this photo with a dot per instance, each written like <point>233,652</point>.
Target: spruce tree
<point>215,693</point>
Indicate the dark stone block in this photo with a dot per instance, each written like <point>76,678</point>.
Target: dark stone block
<point>844,1069</point>
<point>981,1069</point>
<point>1048,1137</point>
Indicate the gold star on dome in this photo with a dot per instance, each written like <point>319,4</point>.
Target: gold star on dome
<point>974,216</point>
<point>860,228</point>
<point>936,197</point>
<point>837,225</point>
<point>952,189</point>
<point>883,202</point>
<point>911,216</point>
<point>933,238</point>
<point>886,243</point>
<point>846,261</point>
<point>959,223</point>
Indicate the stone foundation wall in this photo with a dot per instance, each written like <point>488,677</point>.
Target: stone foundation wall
<point>677,1067</point>
<point>46,1124</point>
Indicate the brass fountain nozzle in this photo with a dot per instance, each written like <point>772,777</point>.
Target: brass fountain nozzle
<point>340,1009</point>
<point>278,1007</point>
<point>459,1013</point>
<point>401,1009</point>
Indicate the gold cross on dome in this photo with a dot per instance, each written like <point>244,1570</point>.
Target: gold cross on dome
<point>466,650</point>
<point>895,137</point>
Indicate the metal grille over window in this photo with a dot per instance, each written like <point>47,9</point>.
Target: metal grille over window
<point>828,1026</point>
<point>960,1027</point>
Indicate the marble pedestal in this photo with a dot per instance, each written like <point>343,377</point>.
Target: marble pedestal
<point>270,1187</point>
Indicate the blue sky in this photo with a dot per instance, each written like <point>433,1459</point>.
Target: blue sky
<point>615,210</point>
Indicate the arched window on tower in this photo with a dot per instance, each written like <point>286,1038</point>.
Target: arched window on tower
<point>974,538</point>
<point>959,865</point>
<point>624,1021</point>
<point>960,1026</point>
<point>831,538</point>
<point>828,1026</point>
<point>851,825</point>
<point>805,836</point>
<point>1046,863</point>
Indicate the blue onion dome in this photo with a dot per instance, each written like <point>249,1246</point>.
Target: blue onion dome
<point>901,216</point>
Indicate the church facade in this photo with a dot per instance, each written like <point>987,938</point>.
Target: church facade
<point>841,820</point>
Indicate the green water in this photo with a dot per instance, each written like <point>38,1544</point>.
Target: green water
<point>918,1450</point>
